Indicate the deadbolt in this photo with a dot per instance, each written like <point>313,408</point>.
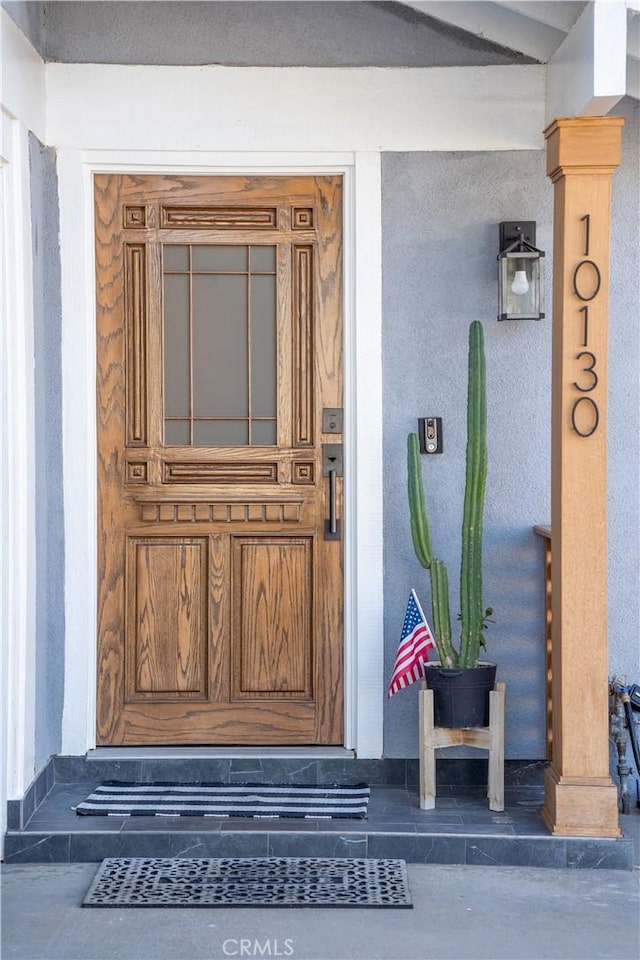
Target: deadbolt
<point>332,418</point>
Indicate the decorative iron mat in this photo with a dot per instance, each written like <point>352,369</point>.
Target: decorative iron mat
<point>249,882</point>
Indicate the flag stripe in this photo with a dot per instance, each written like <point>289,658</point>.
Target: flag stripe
<point>415,641</point>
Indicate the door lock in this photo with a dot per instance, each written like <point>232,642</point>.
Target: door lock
<point>332,419</point>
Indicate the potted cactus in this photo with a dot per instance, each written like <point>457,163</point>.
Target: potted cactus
<point>461,682</point>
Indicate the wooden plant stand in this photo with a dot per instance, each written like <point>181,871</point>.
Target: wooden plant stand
<point>489,738</point>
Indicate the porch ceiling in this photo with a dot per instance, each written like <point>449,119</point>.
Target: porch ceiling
<point>372,33</point>
<point>534,28</point>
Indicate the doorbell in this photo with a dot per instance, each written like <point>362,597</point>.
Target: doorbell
<point>430,433</point>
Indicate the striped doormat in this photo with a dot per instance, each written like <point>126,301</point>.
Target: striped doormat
<point>265,801</point>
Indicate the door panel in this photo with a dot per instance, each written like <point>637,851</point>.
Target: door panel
<point>272,617</point>
<point>219,343</point>
<point>167,622</point>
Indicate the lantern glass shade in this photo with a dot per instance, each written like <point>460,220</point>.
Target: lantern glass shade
<point>521,285</point>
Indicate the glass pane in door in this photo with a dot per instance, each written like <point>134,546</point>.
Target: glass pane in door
<point>220,344</point>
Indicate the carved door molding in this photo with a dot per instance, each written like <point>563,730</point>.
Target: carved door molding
<point>219,598</point>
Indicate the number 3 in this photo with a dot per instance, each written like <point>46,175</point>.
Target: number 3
<point>590,369</point>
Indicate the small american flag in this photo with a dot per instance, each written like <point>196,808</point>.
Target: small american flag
<point>415,641</point>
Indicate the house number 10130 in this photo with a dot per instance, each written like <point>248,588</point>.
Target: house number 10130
<point>587,280</point>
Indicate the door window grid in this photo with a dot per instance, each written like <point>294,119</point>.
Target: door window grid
<point>184,421</point>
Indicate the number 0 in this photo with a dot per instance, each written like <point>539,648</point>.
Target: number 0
<point>596,417</point>
<point>596,280</point>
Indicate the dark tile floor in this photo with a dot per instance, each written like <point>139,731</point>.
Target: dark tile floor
<point>461,829</point>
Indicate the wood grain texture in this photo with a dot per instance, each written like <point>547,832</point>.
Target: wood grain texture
<point>303,472</point>
<point>272,625</point>
<point>303,327</point>
<point>219,218</point>
<point>110,408</point>
<point>580,797</point>
<point>213,471</point>
<point>221,511</point>
<point>328,357</point>
<point>490,738</point>
<point>302,218</point>
<point>134,216</point>
<point>583,144</point>
<point>135,272</point>
<point>167,618</point>
<point>173,663</point>
<point>137,471</point>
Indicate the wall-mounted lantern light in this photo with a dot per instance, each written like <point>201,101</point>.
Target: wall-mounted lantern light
<point>520,272</point>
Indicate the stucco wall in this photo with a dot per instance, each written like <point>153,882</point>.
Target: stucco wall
<point>440,215</point>
<point>440,235</point>
<point>306,33</point>
<point>48,437</point>
<point>624,404</point>
<point>440,240</point>
<point>624,414</point>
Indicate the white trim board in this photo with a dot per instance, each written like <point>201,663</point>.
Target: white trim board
<point>107,106</point>
<point>363,422</point>
<point>587,74</point>
<point>17,439</point>
<point>22,81</point>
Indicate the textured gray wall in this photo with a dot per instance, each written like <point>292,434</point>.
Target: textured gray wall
<point>440,240</point>
<point>29,16</point>
<point>624,404</point>
<point>48,409</point>
<point>261,33</point>
<point>624,411</point>
<point>439,227</point>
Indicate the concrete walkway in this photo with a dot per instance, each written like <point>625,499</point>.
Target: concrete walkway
<point>460,913</point>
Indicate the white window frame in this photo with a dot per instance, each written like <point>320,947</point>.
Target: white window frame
<point>363,419</point>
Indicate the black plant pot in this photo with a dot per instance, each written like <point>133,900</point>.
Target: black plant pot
<point>461,696</point>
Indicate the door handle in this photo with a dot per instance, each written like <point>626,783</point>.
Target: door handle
<point>332,525</point>
<point>333,520</point>
<point>332,468</point>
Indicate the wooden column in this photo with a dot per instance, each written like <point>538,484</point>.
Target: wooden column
<point>580,798</point>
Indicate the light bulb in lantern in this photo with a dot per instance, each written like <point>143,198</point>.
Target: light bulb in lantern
<point>520,284</point>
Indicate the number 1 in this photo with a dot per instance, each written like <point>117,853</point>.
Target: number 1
<point>586,220</point>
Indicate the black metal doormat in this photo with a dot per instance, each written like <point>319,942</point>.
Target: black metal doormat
<point>267,801</point>
<point>249,882</point>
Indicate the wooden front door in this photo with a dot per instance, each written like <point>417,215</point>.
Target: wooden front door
<point>220,590</point>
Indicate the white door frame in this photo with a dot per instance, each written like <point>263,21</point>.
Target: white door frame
<point>363,419</point>
<point>17,475</point>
